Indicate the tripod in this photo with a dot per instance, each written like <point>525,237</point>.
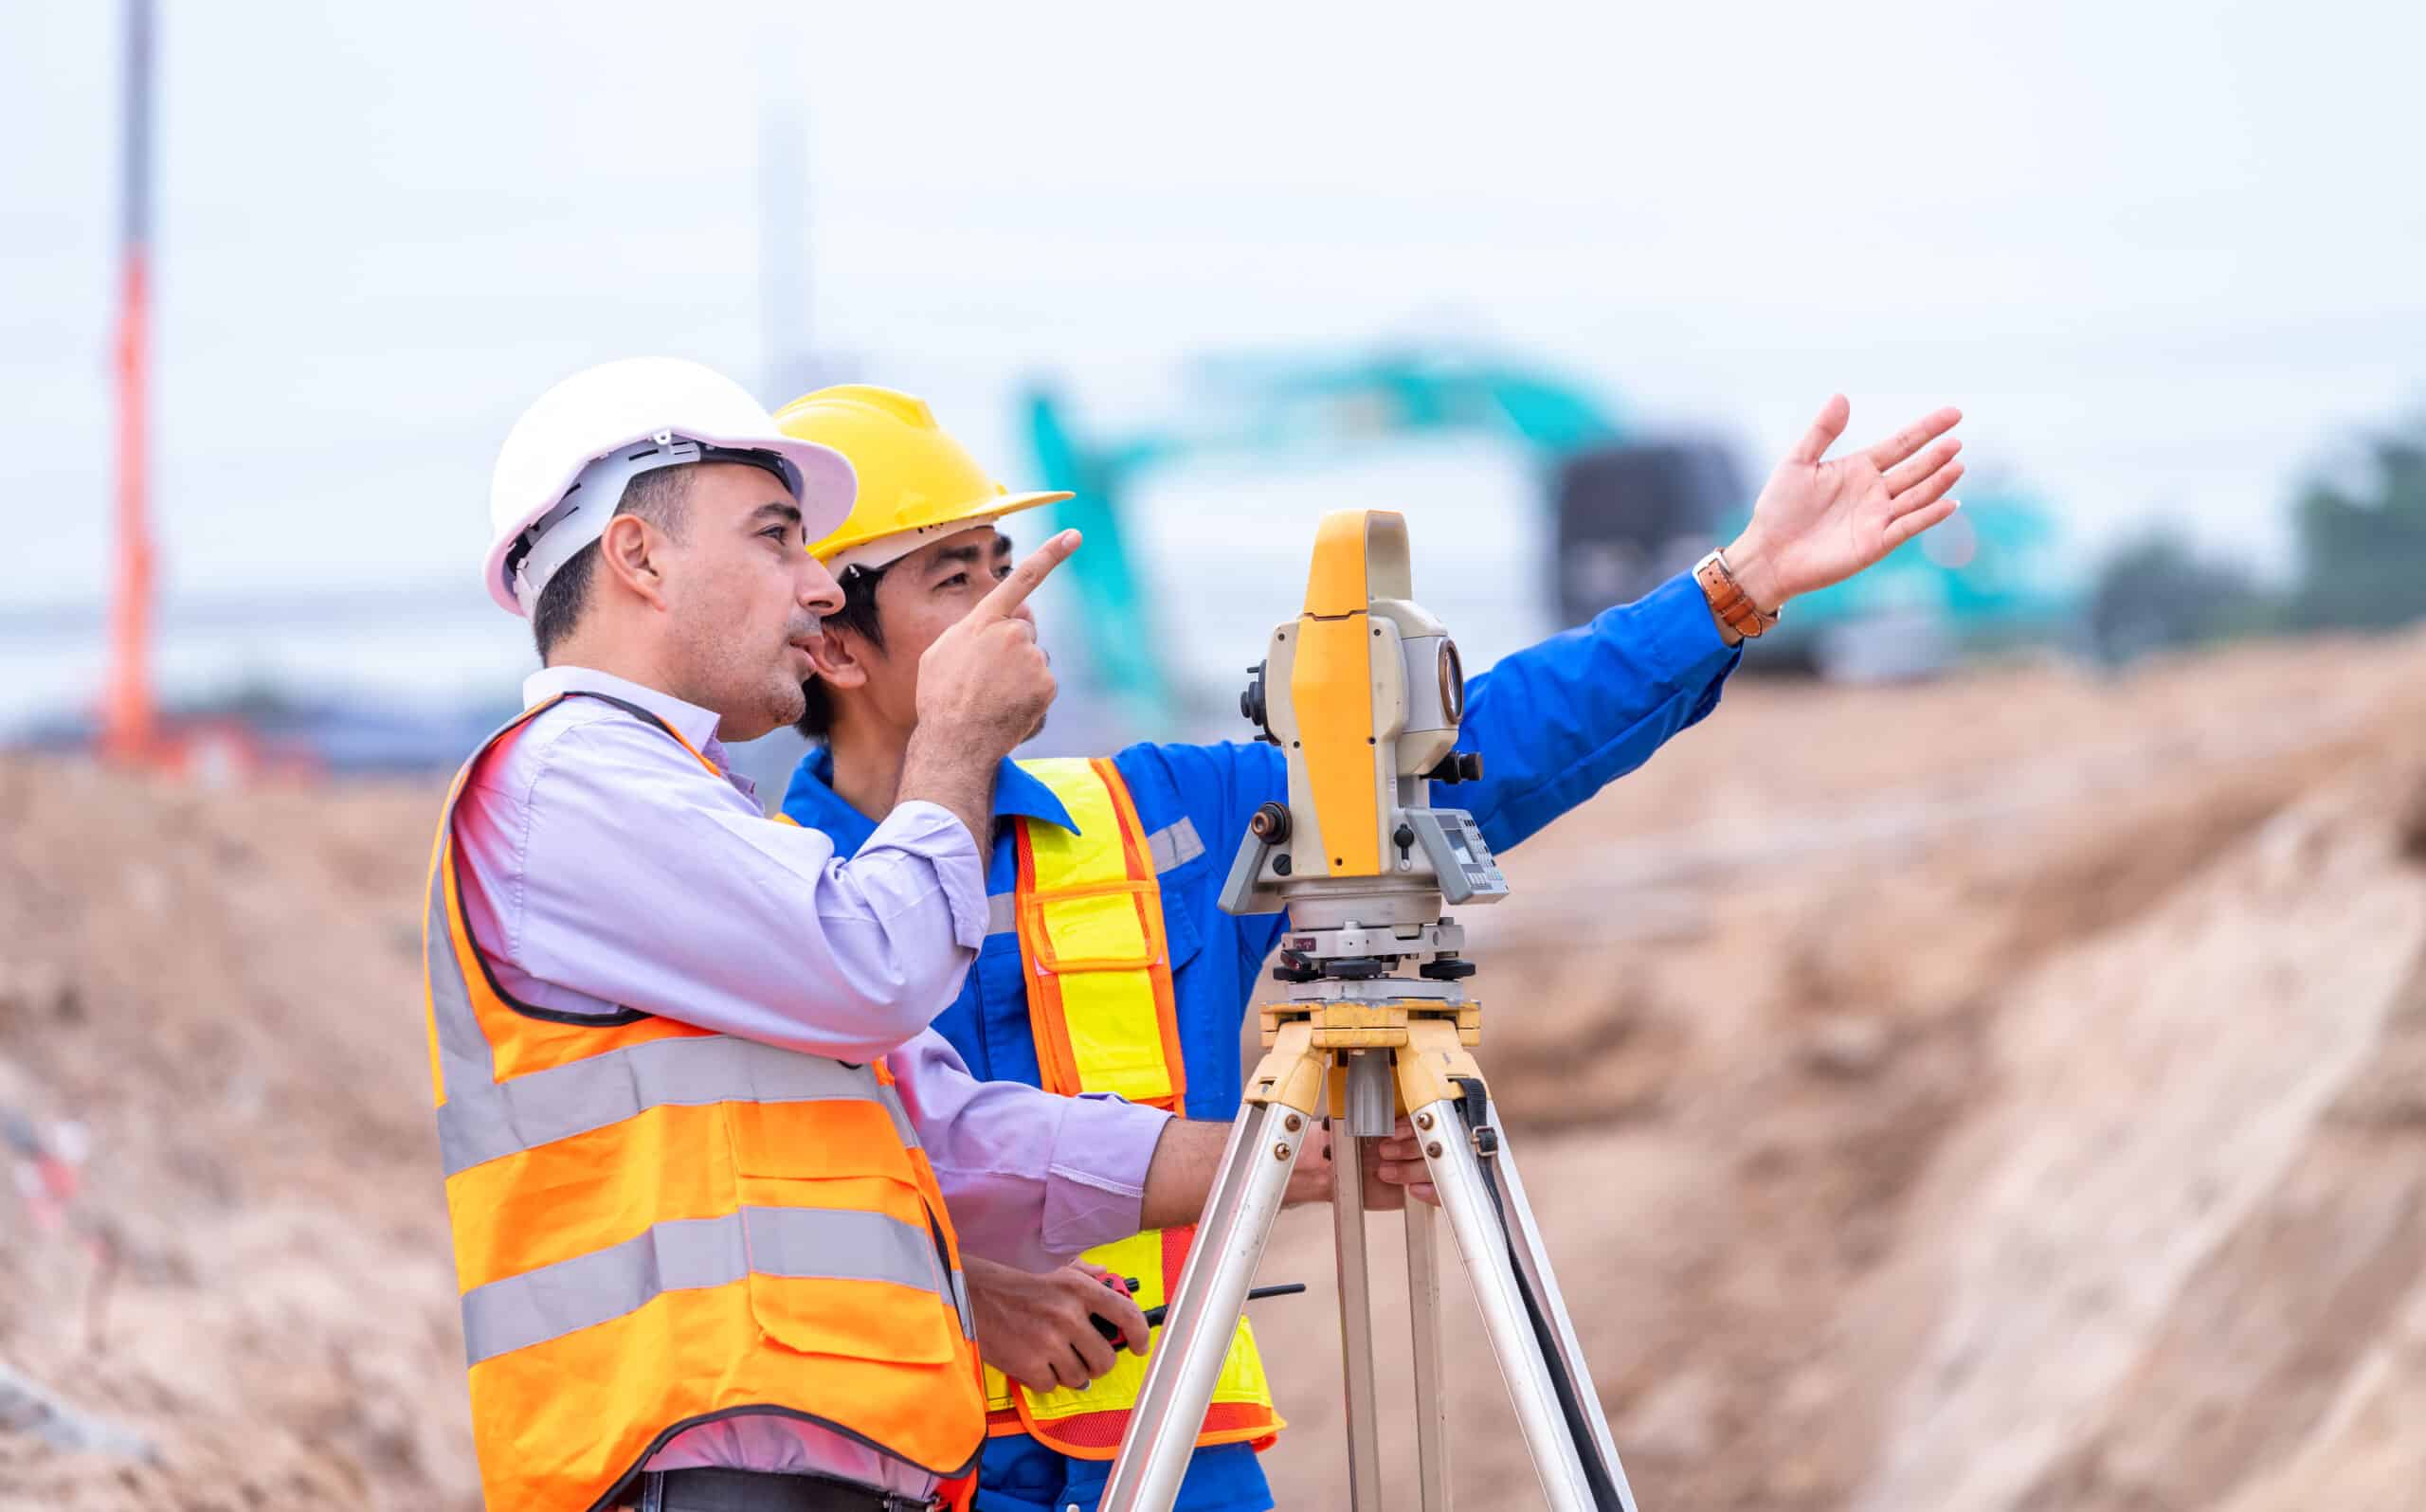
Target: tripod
<point>1363,693</point>
<point>1379,1044</point>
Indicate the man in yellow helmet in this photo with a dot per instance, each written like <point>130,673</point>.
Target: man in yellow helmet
<point>1108,967</point>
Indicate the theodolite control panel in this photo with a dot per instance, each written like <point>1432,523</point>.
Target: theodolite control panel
<point>1450,840</point>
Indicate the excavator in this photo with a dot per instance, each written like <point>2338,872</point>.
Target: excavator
<point>1627,509</point>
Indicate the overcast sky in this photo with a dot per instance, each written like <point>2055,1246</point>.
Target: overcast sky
<point>2162,253</point>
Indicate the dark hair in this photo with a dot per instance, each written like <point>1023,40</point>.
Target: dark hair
<point>857,614</point>
<point>657,498</point>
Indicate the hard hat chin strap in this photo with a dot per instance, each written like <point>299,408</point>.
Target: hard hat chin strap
<point>580,517</point>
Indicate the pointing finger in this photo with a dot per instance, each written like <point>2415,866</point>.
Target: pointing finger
<point>1823,432</point>
<point>1912,437</point>
<point>1013,590</point>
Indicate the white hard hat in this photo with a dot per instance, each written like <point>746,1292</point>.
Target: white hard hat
<point>563,465</point>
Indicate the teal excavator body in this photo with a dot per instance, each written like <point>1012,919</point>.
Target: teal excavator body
<point>1630,509</point>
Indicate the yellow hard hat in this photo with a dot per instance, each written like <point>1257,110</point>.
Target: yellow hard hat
<point>916,484</point>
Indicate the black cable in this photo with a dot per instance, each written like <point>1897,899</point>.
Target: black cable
<point>1474,1110</point>
<point>1154,1315</point>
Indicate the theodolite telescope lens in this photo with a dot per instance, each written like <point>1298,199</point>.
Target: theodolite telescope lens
<point>1452,681</point>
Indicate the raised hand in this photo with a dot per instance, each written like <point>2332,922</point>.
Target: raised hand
<point>986,680</point>
<point>1818,522</point>
<point>984,686</point>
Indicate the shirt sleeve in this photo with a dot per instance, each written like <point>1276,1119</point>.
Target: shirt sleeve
<point>642,884</point>
<point>1032,1178</point>
<point>1558,721</point>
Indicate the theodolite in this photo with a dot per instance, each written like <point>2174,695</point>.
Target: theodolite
<point>1363,693</point>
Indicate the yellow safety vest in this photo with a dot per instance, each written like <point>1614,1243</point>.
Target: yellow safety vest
<point>1098,977</point>
<point>657,1226</point>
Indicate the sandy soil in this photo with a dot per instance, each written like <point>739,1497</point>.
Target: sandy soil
<point>2004,1094</point>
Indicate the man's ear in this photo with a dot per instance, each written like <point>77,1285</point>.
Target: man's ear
<point>631,553</point>
<point>835,654</point>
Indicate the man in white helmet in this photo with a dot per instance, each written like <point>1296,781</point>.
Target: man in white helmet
<point>698,1138</point>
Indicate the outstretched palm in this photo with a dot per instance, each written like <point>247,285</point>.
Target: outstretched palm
<point>1820,522</point>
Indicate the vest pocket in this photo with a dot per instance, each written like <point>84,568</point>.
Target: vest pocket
<point>852,1318</point>
<point>842,1257</point>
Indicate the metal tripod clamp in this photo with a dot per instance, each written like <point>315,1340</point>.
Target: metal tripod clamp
<point>1481,1131</point>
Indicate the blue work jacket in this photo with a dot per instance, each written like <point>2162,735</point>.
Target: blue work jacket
<point>1554,723</point>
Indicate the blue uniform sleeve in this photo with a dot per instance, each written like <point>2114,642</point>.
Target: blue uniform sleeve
<point>1557,722</point>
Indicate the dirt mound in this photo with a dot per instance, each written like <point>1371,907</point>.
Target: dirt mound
<point>2004,1094</point>
<point>222,989</point>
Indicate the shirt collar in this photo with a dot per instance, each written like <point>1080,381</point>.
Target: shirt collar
<point>813,801</point>
<point>1018,792</point>
<point>689,721</point>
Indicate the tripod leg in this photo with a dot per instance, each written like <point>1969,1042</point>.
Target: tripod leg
<point>1546,1404</point>
<point>1423,1322</point>
<point>1213,1285</point>
<point>1355,1286</point>
<point>1534,1256</point>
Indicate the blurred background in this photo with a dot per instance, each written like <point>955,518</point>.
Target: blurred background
<point>2057,1138</point>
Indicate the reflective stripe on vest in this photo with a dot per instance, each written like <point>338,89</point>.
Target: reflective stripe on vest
<point>1089,913</point>
<point>656,1225</point>
<point>604,1284</point>
<point>1173,846</point>
<point>486,1119</point>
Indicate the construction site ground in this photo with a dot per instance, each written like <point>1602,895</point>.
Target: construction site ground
<point>1997,1095</point>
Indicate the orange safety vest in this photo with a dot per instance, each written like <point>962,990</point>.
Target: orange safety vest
<point>1098,972</point>
<point>657,1226</point>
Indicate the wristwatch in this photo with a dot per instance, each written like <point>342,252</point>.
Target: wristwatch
<point>1733,607</point>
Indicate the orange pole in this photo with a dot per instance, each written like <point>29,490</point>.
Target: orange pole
<point>129,726</point>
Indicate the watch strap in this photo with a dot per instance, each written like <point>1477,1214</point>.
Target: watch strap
<point>1728,600</point>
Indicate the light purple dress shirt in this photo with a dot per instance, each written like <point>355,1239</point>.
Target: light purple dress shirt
<point>603,866</point>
